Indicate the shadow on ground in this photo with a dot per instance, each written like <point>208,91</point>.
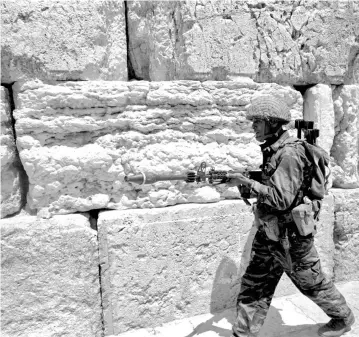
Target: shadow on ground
<point>226,286</point>
<point>220,325</point>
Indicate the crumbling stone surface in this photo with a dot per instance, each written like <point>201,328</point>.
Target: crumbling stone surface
<point>269,41</point>
<point>77,140</point>
<point>346,141</point>
<point>160,265</point>
<point>10,174</point>
<point>63,40</point>
<point>346,234</point>
<point>49,277</point>
<point>318,107</point>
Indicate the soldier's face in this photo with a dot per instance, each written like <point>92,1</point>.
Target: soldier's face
<point>260,129</point>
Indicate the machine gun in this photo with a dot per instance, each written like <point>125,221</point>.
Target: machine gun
<point>212,176</point>
<point>310,134</point>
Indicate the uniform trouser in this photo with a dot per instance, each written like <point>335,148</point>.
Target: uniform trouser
<point>266,266</point>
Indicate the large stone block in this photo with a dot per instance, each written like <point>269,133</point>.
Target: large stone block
<point>10,173</point>
<point>77,140</point>
<point>159,265</point>
<point>346,141</point>
<point>346,234</point>
<point>49,277</point>
<point>63,40</point>
<point>269,41</point>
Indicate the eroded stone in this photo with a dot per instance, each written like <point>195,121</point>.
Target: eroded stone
<point>77,140</point>
<point>49,277</point>
<point>63,40</point>
<point>345,146</point>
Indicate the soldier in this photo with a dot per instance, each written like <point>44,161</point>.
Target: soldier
<point>284,183</point>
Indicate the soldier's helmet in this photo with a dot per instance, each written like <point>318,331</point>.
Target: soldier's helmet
<point>268,108</point>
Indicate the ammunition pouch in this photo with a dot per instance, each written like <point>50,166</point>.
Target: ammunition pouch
<point>304,219</point>
<point>269,222</point>
<point>271,226</point>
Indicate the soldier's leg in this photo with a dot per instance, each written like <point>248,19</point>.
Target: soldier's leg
<point>309,278</point>
<point>257,288</point>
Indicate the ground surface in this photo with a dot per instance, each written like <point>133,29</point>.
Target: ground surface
<point>289,316</point>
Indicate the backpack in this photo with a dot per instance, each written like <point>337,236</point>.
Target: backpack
<point>318,170</point>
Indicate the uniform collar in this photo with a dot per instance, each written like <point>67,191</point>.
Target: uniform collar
<point>269,145</point>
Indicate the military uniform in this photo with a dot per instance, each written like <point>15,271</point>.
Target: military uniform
<point>284,177</point>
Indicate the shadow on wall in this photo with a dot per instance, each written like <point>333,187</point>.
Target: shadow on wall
<point>226,286</point>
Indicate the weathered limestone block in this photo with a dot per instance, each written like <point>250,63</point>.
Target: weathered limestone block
<point>164,264</point>
<point>318,107</point>
<point>269,41</point>
<point>77,140</point>
<point>49,277</point>
<point>346,234</point>
<point>346,141</point>
<point>10,174</point>
<point>63,40</point>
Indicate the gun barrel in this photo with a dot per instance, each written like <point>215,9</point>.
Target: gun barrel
<point>137,178</point>
<point>151,178</point>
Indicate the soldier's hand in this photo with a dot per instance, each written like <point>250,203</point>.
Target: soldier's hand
<point>239,179</point>
<point>233,182</point>
<point>244,191</point>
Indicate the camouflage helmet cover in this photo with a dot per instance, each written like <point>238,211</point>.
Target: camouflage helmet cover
<point>268,108</point>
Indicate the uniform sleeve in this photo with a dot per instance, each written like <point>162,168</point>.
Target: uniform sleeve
<point>284,184</point>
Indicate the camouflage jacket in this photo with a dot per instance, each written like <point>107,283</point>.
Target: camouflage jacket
<point>283,176</point>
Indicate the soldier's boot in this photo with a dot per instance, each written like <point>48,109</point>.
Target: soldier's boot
<point>336,327</point>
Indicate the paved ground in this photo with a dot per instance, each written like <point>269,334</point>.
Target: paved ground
<point>289,316</point>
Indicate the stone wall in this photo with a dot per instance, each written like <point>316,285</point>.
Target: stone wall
<point>95,90</point>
